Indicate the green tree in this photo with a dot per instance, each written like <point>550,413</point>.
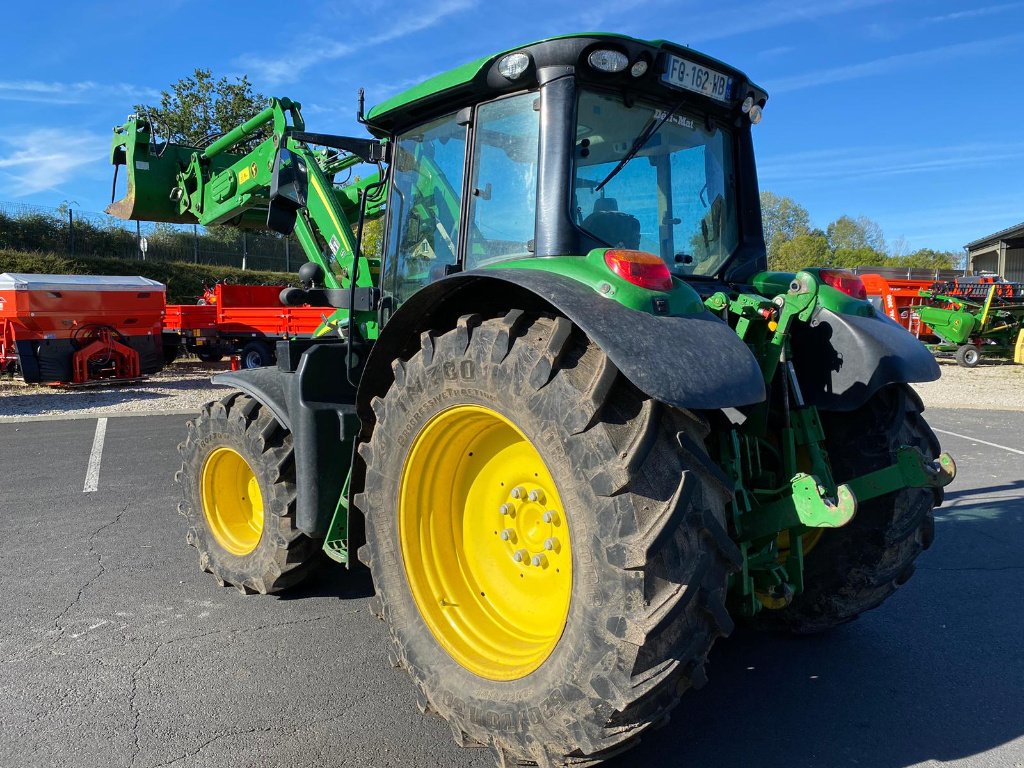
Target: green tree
<point>848,258</point>
<point>801,251</point>
<point>200,107</point>
<point>930,259</point>
<point>852,234</point>
<point>782,219</point>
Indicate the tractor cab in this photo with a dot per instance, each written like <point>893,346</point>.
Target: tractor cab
<point>570,145</point>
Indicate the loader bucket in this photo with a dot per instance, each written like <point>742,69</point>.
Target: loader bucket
<point>153,174</point>
<point>152,170</point>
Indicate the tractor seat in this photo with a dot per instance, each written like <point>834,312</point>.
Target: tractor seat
<point>620,230</point>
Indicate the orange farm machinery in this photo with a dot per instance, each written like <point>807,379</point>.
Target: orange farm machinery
<point>79,329</point>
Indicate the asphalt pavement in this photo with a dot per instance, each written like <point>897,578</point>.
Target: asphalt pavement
<point>115,650</point>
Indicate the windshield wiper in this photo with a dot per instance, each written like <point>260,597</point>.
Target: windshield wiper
<point>652,127</point>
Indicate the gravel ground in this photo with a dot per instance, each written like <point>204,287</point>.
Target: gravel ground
<point>179,388</point>
<point>184,386</point>
<point>991,386</point>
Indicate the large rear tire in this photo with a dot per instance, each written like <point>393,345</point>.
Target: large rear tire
<point>238,494</point>
<point>853,569</point>
<point>512,448</point>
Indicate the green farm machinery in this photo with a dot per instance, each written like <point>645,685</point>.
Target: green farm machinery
<point>565,416</point>
<point>972,314</point>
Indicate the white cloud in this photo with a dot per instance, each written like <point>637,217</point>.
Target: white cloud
<point>881,162</point>
<point>757,17</point>
<point>72,93</point>
<point>972,13</point>
<point>289,67</point>
<point>777,52</point>
<point>951,226</point>
<point>45,158</point>
<point>593,15</point>
<point>889,63</point>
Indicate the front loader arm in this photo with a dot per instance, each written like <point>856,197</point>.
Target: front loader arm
<point>218,185</point>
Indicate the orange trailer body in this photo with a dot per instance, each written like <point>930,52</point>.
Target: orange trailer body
<point>256,310</point>
<point>72,329</point>
<point>238,315</point>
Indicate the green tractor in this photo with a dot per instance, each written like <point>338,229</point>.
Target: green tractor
<point>572,425</point>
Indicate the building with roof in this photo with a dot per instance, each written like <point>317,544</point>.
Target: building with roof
<point>1001,253</point>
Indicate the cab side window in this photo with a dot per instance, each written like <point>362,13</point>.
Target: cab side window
<point>424,203</point>
<point>504,191</point>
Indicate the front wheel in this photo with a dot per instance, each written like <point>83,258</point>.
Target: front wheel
<point>238,494</point>
<point>853,569</point>
<point>547,544</point>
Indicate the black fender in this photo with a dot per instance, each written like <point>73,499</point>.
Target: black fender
<point>842,360</point>
<point>317,405</point>
<point>695,362</point>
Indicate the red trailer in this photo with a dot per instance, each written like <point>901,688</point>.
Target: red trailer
<point>76,329</point>
<point>246,320</point>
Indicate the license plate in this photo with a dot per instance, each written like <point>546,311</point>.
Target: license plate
<point>680,73</point>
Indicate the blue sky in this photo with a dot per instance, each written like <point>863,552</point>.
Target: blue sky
<point>908,112</point>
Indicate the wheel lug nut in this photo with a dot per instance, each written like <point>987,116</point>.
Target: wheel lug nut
<point>518,491</point>
<point>551,544</point>
<point>507,509</point>
<point>508,535</point>
<point>520,555</point>
<point>539,560</point>
<point>536,495</point>
<point>551,516</point>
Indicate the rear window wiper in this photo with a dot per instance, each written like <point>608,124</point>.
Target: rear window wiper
<point>652,127</point>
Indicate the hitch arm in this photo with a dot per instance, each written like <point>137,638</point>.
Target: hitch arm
<point>911,470</point>
<point>806,504</point>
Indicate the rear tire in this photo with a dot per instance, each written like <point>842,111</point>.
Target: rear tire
<point>649,552</point>
<point>853,569</point>
<point>244,537</point>
<point>968,356</point>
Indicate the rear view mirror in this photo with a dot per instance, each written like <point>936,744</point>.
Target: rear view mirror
<point>289,189</point>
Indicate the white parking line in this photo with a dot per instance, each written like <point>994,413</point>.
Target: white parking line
<point>92,474</point>
<point>976,440</point>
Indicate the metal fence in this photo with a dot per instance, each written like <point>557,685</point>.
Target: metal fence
<point>69,230</point>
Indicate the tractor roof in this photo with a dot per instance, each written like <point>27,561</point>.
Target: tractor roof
<point>480,80</point>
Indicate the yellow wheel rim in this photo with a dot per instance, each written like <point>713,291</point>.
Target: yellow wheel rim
<point>810,541</point>
<point>485,542</point>
<point>232,501</point>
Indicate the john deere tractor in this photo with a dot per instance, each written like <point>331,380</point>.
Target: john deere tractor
<point>573,426</point>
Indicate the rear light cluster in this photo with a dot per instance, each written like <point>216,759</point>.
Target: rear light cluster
<point>844,281</point>
<point>639,268</point>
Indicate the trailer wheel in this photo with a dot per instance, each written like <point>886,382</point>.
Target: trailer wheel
<point>968,356</point>
<point>853,569</point>
<point>238,495</point>
<point>256,354</point>
<point>547,544</point>
<point>210,355</point>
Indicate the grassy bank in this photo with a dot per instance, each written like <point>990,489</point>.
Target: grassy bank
<point>184,281</point>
